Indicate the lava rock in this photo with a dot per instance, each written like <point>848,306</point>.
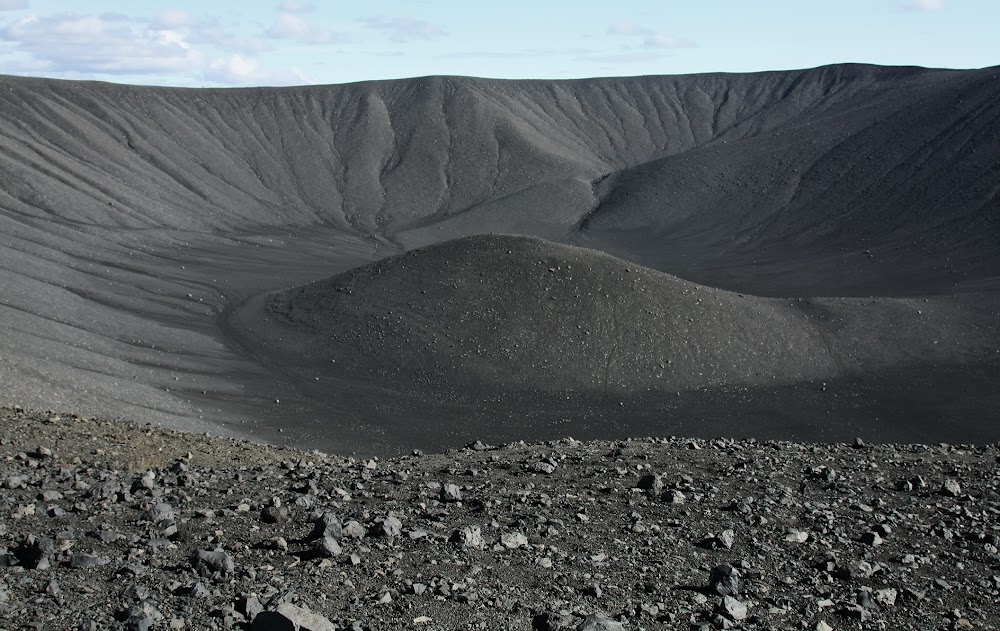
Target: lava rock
<point>209,562</point>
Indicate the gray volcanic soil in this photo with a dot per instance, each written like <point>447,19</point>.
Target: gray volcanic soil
<point>140,229</point>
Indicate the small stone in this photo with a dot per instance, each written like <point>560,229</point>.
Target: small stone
<point>732,608</point>
<point>250,606</point>
<point>327,525</point>
<point>390,527</point>
<point>727,538</point>
<point>544,466</point>
<point>288,617</point>
<point>451,493</point>
<point>823,626</point>
<point>106,536</point>
<point>198,590</point>
<point>951,488</point>
<point>797,536</point>
<point>597,622</point>
<point>653,482</point>
<point>871,539</point>
<point>208,562</point>
<point>673,496</point>
<point>88,560</point>
<point>274,515</point>
<point>353,530</point>
<point>551,621</point>
<point>913,594</point>
<point>327,547</point>
<point>513,540</point>
<point>469,537</point>
<point>36,552</point>
<point>142,616</point>
<point>854,612</point>
<point>724,580</point>
<point>159,512</point>
<point>886,597</point>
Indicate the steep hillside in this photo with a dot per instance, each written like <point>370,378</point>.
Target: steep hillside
<point>133,220</point>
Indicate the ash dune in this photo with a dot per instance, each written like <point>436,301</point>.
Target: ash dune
<point>135,220</point>
<point>522,313</point>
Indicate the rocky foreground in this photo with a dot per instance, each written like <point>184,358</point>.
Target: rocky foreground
<point>104,524</point>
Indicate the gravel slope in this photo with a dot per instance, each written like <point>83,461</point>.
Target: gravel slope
<point>512,313</point>
<point>134,221</point>
<point>106,524</point>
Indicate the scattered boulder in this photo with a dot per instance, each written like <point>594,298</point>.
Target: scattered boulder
<point>327,524</point>
<point>288,617</point>
<point>209,562</point>
<point>159,512</point>
<point>451,493</point>
<point>724,580</point>
<point>469,537</point>
<point>597,622</point>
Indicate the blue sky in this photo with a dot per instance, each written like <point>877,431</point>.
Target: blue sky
<point>282,42</point>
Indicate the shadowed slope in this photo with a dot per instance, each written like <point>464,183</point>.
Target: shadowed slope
<point>898,194</point>
<point>525,314</point>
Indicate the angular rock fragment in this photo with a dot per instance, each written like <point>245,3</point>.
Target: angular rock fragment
<point>159,512</point>
<point>652,483</point>
<point>327,547</point>
<point>288,617</point>
<point>327,524</point>
<point>724,580</point>
<point>732,608</point>
<point>469,537</point>
<point>597,622</point>
<point>390,527</point>
<point>951,488</point>
<point>451,493</point>
<point>513,540</point>
<point>209,562</point>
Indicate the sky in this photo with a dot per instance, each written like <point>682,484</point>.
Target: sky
<point>223,43</point>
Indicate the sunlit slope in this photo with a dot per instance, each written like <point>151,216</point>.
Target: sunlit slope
<point>391,156</point>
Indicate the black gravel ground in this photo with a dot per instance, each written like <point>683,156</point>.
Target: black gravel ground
<point>107,524</point>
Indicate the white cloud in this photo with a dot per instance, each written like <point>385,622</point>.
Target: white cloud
<point>923,5</point>
<point>294,6</point>
<point>647,37</point>
<point>13,5</point>
<point>173,19</point>
<point>70,45</point>
<point>106,44</point>
<point>292,27</point>
<point>404,29</point>
<point>246,71</point>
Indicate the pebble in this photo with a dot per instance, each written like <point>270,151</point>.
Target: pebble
<point>597,622</point>
<point>724,580</point>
